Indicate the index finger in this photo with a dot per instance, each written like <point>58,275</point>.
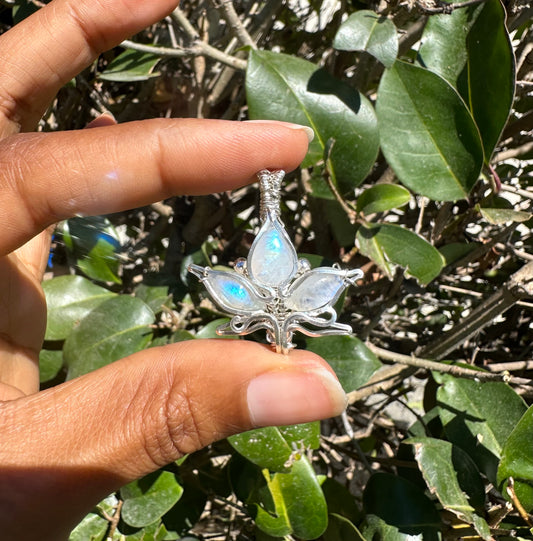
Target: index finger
<point>48,177</point>
<point>43,52</point>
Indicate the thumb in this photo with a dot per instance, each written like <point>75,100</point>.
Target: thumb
<point>65,449</point>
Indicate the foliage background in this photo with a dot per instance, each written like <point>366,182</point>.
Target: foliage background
<point>420,174</point>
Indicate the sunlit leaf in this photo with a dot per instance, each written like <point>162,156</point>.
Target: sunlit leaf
<point>427,133</point>
<point>283,87</point>
<point>149,498</point>
<point>389,245</point>
<point>351,360</point>
<point>382,197</point>
<point>116,328</point>
<point>69,299</point>
<point>471,49</point>
<point>479,417</point>
<point>517,461</point>
<point>364,30</point>
<point>454,478</point>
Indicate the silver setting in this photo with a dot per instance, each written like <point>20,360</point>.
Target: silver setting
<point>274,290</point>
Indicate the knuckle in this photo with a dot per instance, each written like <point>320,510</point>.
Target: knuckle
<point>174,428</point>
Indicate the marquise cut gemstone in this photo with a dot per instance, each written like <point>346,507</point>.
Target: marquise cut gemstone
<point>314,291</point>
<point>233,292</point>
<point>272,260</point>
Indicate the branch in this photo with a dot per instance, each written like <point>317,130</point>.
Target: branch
<point>445,7</point>
<point>518,287</point>
<point>231,17</point>
<point>454,370</point>
<point>198,48</point>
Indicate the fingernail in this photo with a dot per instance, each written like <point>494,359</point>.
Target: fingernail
<point>306,129</point>
<point>291,397</point>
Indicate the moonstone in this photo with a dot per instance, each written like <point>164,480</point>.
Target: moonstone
<point>272,261</point>
<point>233,293</point>
<point>314,291</point>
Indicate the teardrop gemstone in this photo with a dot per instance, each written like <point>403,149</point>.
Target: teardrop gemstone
<point>272,260</point>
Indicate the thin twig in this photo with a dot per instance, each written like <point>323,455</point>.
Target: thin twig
<point>199,48</point>
<point>230,15</point>
<point>452,369</point>
<point>448,8</point>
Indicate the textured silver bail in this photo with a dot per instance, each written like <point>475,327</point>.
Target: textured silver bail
<point>269,187</point>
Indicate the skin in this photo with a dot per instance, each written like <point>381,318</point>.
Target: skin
<point>64,449</point>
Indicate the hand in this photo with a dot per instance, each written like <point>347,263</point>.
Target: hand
<point>64,449</point>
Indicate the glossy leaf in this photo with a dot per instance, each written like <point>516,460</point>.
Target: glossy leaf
<point>382,197</point>
<point>154,296</point>
<point>299,505</point>
<point>351,360</point>
<point>307,95</point>
<point>517,461</point>
<point>364,30</point>
<point>453,477</point>
<point>94,527</point>
<point>471,49</point>
<point>149,498</point>
<point>479,417</point>
<point>275,448</point>
<point>427,133</point>
<point>131,66</point>
<point>118,327</point>
<point>210,330</point>
<point>401,510</point>
<point>50,363</point>
<point>69,299</point>
<point>94,243</point>
<point>389,245</point>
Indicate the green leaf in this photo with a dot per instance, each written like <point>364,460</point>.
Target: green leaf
<point>69,299</point>
<point>427,133</point>
<point>131,66</point>
<point>300,507</point>
<point>340,528</point>
<point>305,94</point>
<point>351,360</point>
<point>149,498</point>
<point>366,31</point>
<point>389,245</point>
<point>116,328</point>
<point>517,461</point>
<point>50,363</point>
<point>471,49</point>
<point>94,243</point>
<point>499,216</point>
<point>272,447</point>
<point>401,510</point>
<point>382,197</point>
<point>94,527</point>
<point>154,296</point>
<point>454,478</point>
<point>479,417</point>
<point>210,330</point>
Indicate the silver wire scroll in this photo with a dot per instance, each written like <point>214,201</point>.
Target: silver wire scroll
<point>274,290</point>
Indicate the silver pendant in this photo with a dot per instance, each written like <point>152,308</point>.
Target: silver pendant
<point>274,290</point>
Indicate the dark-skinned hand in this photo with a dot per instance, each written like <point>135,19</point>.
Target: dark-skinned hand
<point>64,449</point>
